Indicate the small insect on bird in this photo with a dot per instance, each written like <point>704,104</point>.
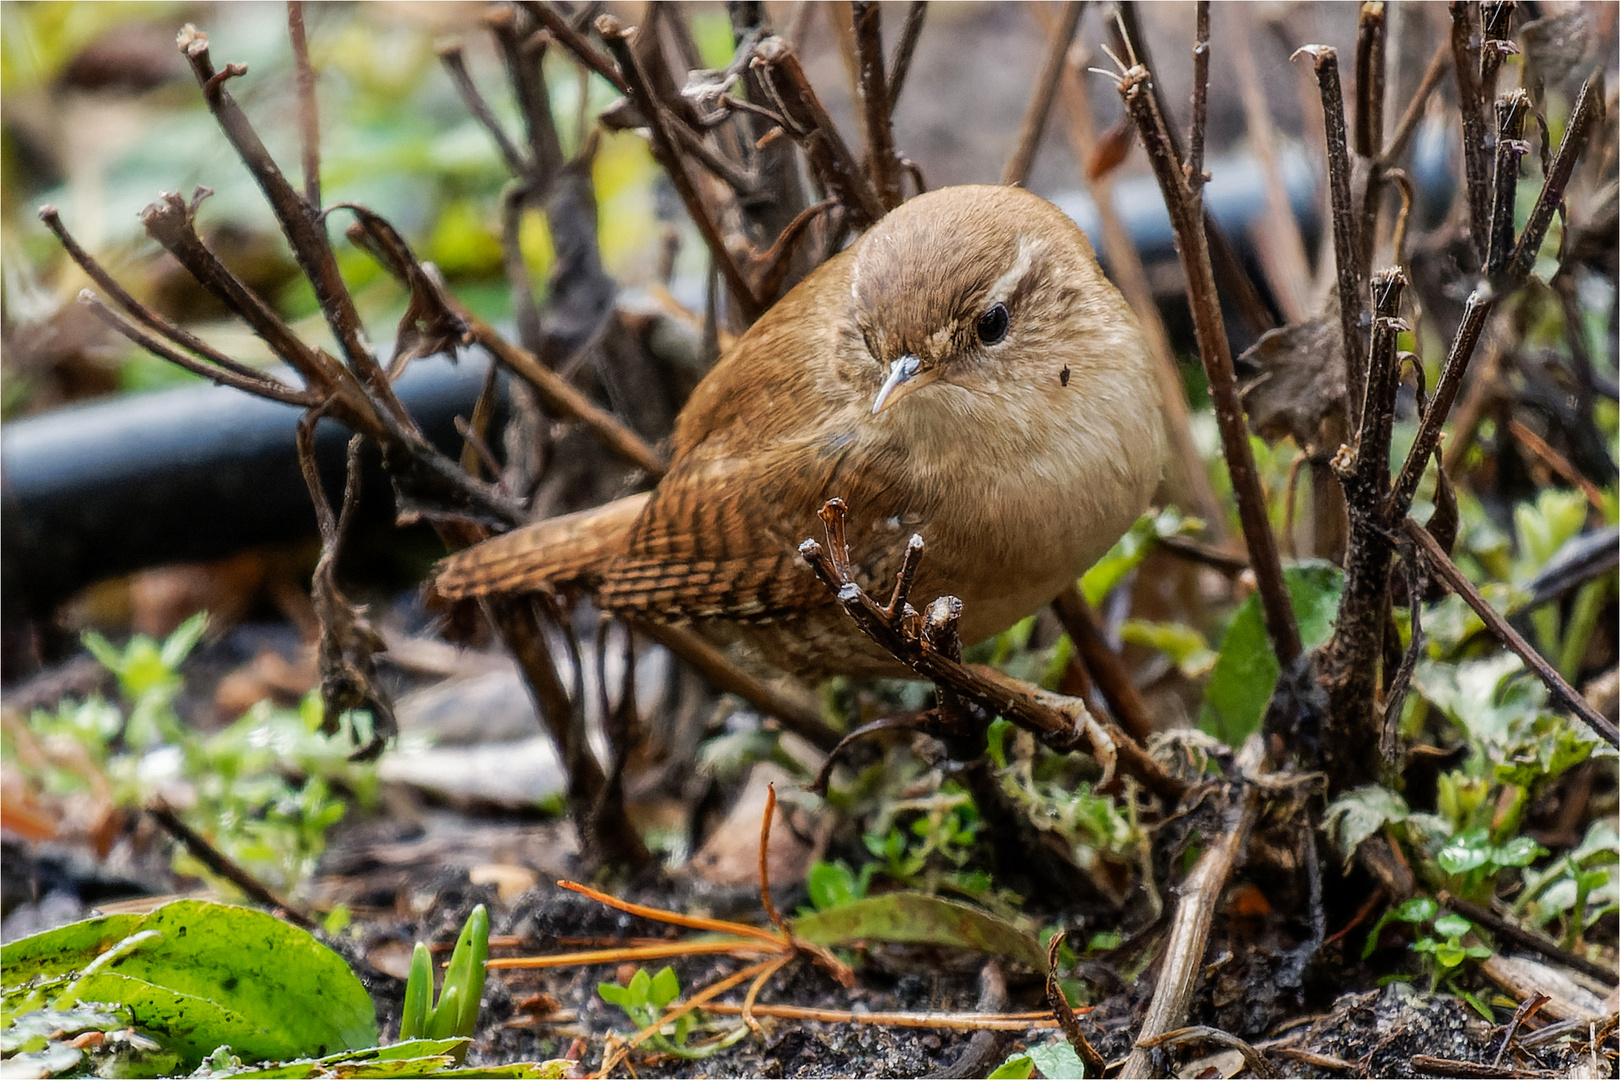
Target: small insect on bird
<point>963,371</point>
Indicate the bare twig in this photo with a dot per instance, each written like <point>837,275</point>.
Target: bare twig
<point>1510,147</point>
<point>1465,53</point>
<point>1187,478</point>
<point>1186,216</point>
<point>1230,271</point>
<point>1291,281</point>
<point>601,822</point>
<point>1349,661</point>
<point>309,125</point>
<point>575,42</point>
<point>1189,931</point>
<point>1346,231</point>
<point>1192,550</point>
<point>1408,123</point>
<point>1200,117</point>
<point>1526,939</point>
<point>1557,462</point>
<point>1104,664</point>
<point>145,315</point>
<point>299,220</point>
<point>348,643</point>
<point>1063,723</point>
<point>561,397</point>
<point>523,53</point>
<point>815,131</point>
<point>453,57</point>
<point>797,714</point>
<point>875,105</point>
<point>273,390</point>
<point>1253,1058</point>
<point>222,864</point>
<point>904,49</point>
<point>1567,696</point>
<point>1018,165</point>
<point>1064,1012</point>
<point>1586,112</point>
<point>664,149</point>
<point>1369,122</point>
<point>1496,41</point>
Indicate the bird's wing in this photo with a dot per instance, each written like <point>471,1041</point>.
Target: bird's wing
<point>720,536</point>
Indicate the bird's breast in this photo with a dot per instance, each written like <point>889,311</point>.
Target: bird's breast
<point>1016,502</point>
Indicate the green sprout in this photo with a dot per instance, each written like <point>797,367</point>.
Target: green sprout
<point>456,1013</point>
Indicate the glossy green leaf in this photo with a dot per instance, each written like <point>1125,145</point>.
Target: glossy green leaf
<point>208,974</point>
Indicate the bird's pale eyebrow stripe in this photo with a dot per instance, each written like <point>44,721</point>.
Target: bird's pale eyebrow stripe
<point>1007,284</point>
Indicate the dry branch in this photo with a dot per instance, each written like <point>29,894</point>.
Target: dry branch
<point>1033,126</point>
<point>1189,930</point>
<point>1347,239</point>
<point>1063,723</point>
<point>1187,219</point>
<point>875,105</point>
<point>1567,696</point>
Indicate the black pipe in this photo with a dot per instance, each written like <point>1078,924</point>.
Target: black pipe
<point>99,490</point>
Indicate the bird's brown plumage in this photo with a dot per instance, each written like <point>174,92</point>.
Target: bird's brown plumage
<point>1018,461</point>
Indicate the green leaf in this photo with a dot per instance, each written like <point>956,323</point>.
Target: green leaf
<point>418,994</point>
<point>1126,554</point>
<point>665,988</point>
<point>831,884</point>
<point>456,1014</point>
<point>1057,1061</point>
<point>1542,528</point>
<point>1464,852</point>
<point>1519,851</point>
<point>1017,1067</point>
<point>1182,644</point>
<point>1418,909</point>
<point>1246,671</point>
<point>614,994</point>
<point>210,974</point>
<point>1452,925</point>
<point>913,918</point>
<point>1356,815</point>
<point>1449,955</point>
<point>1477,695</point>
<point>179,644</point>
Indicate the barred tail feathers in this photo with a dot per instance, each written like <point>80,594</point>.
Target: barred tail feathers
<point>549,554</point>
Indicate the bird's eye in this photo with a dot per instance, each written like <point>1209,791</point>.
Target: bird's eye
<point>993,324</point>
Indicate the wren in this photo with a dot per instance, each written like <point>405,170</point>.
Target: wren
<point>963,371</point>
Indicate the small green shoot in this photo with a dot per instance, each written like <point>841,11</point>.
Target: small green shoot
<point>455,1016</point>
<point>646,998</point>
<point>833,884</point>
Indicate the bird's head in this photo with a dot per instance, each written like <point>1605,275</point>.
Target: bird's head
<point>974,286</point>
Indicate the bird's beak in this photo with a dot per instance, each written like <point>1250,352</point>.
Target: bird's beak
<point>901,374</point>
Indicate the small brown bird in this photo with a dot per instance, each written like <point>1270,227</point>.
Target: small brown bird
<point>963,371</point>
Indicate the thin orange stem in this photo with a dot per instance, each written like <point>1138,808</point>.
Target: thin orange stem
<point>635,952</point>
<point>674,918</point>
<point>753,991</point>
<point>1020,1021</point>
<point>764,859</point>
